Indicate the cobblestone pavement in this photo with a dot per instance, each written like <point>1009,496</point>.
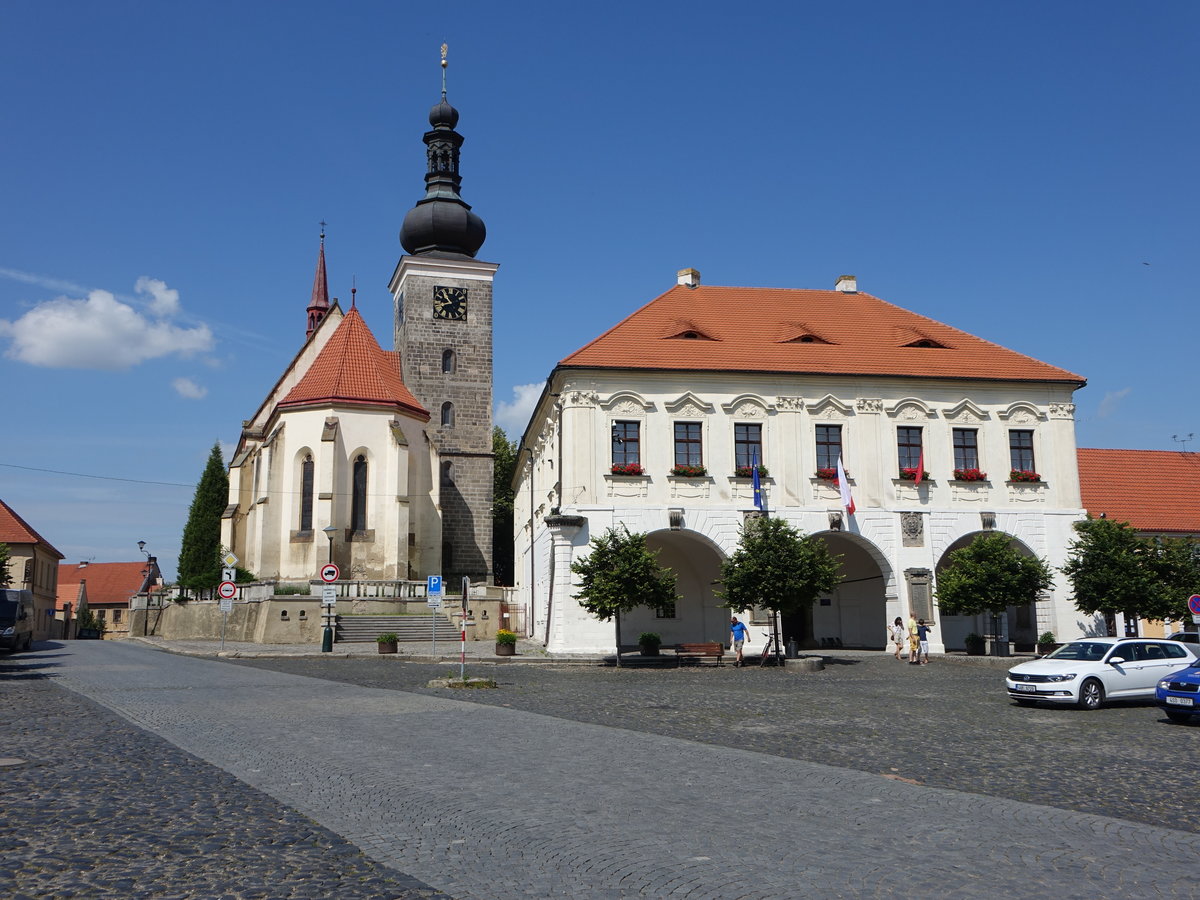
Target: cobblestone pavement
<point>482,801</point>
<point>948,724</point>
<point>93,807</point>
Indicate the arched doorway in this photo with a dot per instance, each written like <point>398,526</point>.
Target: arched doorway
<point>698,616</point>
<point>1019,623</point>
<point>854,614</point>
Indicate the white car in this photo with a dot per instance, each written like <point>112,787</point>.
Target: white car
<point>1088,671</point>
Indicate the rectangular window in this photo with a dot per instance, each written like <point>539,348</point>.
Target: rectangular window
<point>626,443</point>
<point>665,612</point>
<point>908,446</point>
<point>747,445</point>
<point>116,616</point>
<point>1020,450</point>
<point>688,447</point>
<point>966,448</point>
<point>829,446</point>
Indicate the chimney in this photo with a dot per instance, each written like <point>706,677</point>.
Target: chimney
<point>847,284</point>
<point>687,277</point>
<point>83,564</point>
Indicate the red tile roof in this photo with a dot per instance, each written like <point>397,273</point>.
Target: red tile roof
<point>800,331</point>
<point>107,583</point>
<point>1152,490</point>
<point>15,530</point>
<point>352,369</point>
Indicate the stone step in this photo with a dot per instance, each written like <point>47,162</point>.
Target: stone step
<point>363,629</point>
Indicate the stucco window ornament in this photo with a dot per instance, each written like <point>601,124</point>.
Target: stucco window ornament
<point>583,398</point>
<point>868,405</point>
<point>1062,410</point>
<point>789,404</point>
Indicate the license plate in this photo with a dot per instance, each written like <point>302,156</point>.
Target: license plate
<point>1027,688</point>
<point>1179,701</point>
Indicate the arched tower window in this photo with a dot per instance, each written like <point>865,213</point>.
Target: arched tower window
<point>306,493</point>
<point>449,362</point>
<point>448,414</point>
<point>358,495</point>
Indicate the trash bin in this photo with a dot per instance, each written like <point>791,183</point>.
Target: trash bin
<point>792,649</point>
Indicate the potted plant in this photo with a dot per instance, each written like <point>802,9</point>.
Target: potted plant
<point>628,469</point>
<point>387,642</point>
<point>506,642</point>
<point>828,474</point>
<point>969,475</point>
<point>910,474</point>
<point>748,471</point>
<point>689,471</point>
<point>649,642</point>
<point>1046,643</point>
<point>1023,475</point>
<point>975,644</point>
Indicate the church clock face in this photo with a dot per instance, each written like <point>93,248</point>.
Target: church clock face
<point>450,303</point>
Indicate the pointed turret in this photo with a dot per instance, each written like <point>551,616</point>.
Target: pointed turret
<point>442,224</point>
<point>319,305</point>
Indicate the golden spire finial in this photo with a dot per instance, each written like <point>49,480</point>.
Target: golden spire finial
<point>444,49</point>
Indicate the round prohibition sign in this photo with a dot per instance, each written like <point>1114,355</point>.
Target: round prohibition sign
<point>227,590</point>
<point>330,573</point>
<point>1194,604</point>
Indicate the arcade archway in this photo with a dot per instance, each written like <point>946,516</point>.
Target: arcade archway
<point>698,616</point>
<point>854,614</point>
<point>1019,623</point>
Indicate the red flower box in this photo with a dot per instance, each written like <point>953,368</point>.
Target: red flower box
<point>628,469</point>
<point>1023,475</point>
<point>910,474</point>
<point>689,471</point>
<point>969,475</point>
<point>748,472</point>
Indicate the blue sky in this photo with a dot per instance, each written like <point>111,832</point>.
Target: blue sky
<point>1024,171</point>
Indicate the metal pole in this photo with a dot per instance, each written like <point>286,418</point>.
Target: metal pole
<point>462,655</point>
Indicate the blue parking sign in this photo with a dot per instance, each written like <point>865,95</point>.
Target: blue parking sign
<point>433,584</point>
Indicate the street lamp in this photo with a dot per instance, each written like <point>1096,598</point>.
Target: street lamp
<point>327,612</point>
<point>145,576</point>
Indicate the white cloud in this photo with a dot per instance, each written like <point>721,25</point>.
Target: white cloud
<point>164,300</point>
<point>102,332</point>
<point>1111,400</point>
<point>43,281</point>
<point>514,416</point>
<point>185,387</point>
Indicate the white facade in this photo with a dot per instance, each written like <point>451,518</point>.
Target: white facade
<point>891,547</point>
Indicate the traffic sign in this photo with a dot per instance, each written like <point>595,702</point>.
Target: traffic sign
<point>227,590</point>
<point>229,559</point>
<point>229,574</point>
<point>433,585</point>
<point>434,601</point>
<point>330,572</point>
<point>329,595</point>
<point>1194,604</point>
<point>226,606</point>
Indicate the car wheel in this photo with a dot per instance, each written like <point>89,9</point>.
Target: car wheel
<point>1024,701</point>
<point>1176,716</point>
<point>1091,694</point>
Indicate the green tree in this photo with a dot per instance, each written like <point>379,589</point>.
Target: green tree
<point>200,550</point>
<point>778,568</point>
<point>1113,570</point>
<point>1177,569</point>
<point>5,575</point>
<point>989,575</point>
<point>622,573</point>
<point>504,453</point>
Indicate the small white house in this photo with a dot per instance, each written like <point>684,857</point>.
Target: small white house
<point>655,423</point>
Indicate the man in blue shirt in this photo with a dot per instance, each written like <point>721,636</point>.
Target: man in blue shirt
<point>737,633</point>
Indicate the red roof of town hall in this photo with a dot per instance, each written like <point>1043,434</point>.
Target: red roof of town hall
<point>838,332</point>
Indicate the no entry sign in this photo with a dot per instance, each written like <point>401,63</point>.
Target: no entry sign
<point>330,573</point>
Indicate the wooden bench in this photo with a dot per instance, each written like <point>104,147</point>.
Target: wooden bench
<point>712,650</point>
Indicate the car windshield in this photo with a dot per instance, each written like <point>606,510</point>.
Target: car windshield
<point>8,609</point>
<point>1087,651</point>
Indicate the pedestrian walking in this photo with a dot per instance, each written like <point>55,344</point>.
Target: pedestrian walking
<point>923,641</point>
<point>914,642</point>
<point>737,637</point>
<point>896,635</point>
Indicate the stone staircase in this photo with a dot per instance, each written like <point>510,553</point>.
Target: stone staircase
<point>360,629</point>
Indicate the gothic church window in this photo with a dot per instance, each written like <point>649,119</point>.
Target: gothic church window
<point>448,414</point>
<point>449,362</point>
<point>306,493</point>
<point>358,496</point>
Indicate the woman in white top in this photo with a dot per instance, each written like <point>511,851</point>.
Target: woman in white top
<point>898,636</point>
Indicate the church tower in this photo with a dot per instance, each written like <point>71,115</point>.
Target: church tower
<point>443,309</point>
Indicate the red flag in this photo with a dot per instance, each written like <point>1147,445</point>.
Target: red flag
<point>920,467</point>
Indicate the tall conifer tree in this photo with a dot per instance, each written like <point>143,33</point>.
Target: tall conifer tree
<point>199,553</point>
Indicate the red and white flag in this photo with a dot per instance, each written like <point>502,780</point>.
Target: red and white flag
<point>920,467</point>
<point>844,487</point>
